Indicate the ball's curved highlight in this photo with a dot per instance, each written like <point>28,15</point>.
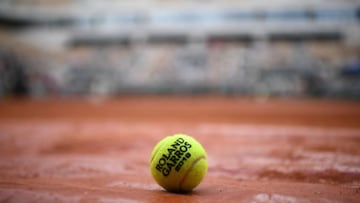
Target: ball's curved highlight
<point>178,163</point>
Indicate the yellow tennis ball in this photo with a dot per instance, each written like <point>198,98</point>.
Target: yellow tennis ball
<point>178,163</point>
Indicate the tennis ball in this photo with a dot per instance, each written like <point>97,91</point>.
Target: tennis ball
<point>178,163</point>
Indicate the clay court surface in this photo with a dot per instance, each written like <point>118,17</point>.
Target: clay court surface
<point>277,150</point>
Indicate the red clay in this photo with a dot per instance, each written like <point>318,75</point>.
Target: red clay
<point>279,150</point>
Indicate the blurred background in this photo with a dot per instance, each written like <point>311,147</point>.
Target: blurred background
<point>287,48</point>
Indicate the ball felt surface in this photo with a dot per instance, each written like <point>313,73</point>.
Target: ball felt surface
<point>178,163</point>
